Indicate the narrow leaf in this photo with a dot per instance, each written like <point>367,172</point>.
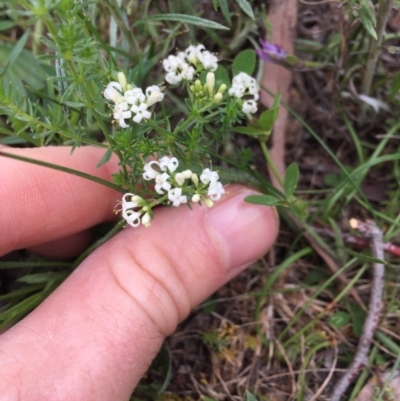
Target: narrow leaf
<point>184,19</point>
<point>246,7</point>
<point>367,22</point>
<point>290,180</point>
<point>16,51</point>
<point>105,158</point>
<point>266,200</point>
<point>248,131</point>
<point>225,10</point>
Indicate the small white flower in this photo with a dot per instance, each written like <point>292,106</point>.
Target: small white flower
<point>134,96</point>
<point>121,113</point>
<point>177,69</point>
<point>171,163</point>
<point>113,92</point>
<point>149,172</point>
<point>134,202</point>
<point>176,197</point>
<point>215,191</point>
<point>132,217</point>
<point>208,176</point>
<point>237,90</point>
<point>187,72</point>
<point>141,112</point>
<point>209,61</point>
<point>154,95</point>
<point>193,53</point>
<point>244,84</point>
<point>173,78</point>
<point>162,183</point>
<point>249,107</point>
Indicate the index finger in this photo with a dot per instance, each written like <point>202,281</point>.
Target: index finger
<point>40,204</point>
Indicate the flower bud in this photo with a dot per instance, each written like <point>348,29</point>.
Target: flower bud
<point>146,220</point>
<point>122,80</point>
<point>196,198</point>
<point>197,85</point>
<point>136,198</point>
<point>218,97</point>
<point>179,178</point>
<point>210,82</point>
<point>208,202</point>
<point>187,173</point>
<point>222,88</point>
<point>195,179</point>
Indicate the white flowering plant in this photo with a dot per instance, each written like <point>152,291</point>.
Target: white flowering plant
<point>169,117</point>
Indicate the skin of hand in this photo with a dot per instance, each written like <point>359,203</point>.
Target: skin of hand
<point>96,335</point>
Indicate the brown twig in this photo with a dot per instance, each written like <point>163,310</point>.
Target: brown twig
<point>370,231</point>
<point>358,242</point>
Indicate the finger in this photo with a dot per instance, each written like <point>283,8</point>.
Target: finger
<point>97,334</point>
<point>40,204</point>
<point>66,247</point>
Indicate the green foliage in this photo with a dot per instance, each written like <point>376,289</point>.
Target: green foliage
<point>182,18</point>
<point>245,61</point>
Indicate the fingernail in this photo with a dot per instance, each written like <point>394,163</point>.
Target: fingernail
<point>247,231</point>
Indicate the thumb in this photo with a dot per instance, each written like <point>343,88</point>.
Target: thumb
<point>96,335</point>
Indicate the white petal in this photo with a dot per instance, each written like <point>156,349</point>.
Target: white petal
<point>149,172</point>
<point>132,218</point>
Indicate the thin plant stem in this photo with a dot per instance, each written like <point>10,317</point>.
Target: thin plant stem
<point>270,163</point>
<point>369,230</point>
<point>385,6</point>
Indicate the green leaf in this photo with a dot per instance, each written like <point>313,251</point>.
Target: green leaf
<point>245,61</point>
<point>277,100</point>
<point>4,25</point>
<point>37,278</point>
<point>268,118</point>
<point>250,396</point>
<point>221,77</point>
<point>225,10</point>
<point>184,19</point>
<point>290,180</point>
<point>248,131</point>
<point>358,317</point>
<point>16,51</point>
<point>266,200</point>
<point>105,158</point>
<point>246,7</point>
<point>367,20</point>
<point>339,319</point>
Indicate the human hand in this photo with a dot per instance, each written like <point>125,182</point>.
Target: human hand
<point>96,335</point>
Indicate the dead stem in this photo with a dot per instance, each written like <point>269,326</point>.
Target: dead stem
<point>371,231</point>
<point>358,242</point>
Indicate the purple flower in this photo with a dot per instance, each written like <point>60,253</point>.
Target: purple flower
<point>270,51</point>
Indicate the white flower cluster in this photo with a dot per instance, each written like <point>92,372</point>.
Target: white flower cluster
<point>244,85</point>
<point>185,64</point>
<point>130,101</point>
<point>176,188</point>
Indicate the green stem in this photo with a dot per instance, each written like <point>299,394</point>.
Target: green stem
<point>101,241</point>
<point>270,162</point>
